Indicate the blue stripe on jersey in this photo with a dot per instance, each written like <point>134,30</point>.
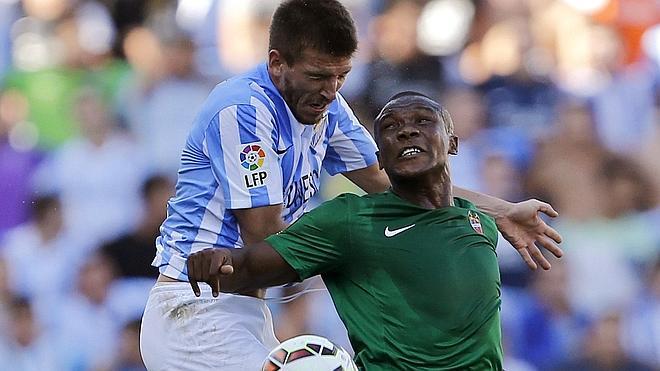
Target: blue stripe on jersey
<point>229,230</point>
<point>247,115</point>
<point>212,139</point>
<point>259,196</point>
<point>336,167</point>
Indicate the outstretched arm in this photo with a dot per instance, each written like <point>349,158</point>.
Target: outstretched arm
<point>238,270</point>
<point>521,225</point>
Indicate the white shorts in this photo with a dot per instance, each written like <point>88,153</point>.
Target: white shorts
<point>183,332</point>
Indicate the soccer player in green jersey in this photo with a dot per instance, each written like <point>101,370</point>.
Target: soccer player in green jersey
<point>412,271</point>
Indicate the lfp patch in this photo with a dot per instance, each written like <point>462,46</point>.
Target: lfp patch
<point>252,157</point>
<point>475,222</point>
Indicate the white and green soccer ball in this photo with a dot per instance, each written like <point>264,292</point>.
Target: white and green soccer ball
<point>309,352</point>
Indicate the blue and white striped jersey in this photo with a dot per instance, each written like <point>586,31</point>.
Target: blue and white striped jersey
<point>246,150</point>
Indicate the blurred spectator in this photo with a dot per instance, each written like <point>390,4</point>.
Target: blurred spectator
<point>624,106</point>
<point>602,350</point>
<point>617,234</point>
<point>467,110</point>
<point>58,48</point>
<point>550,328</point>
<point>566,164</point>
<point>641,323</point>
<point>129,358</point>
<point>86,324</point>
<point>397,63</point>
<point>97,175</point>
<point>160,107</point>
<point>517,96</point>
<point>46,242</point>
<point>133,253</point>
<point>27,347</point>
<point>17,160</point>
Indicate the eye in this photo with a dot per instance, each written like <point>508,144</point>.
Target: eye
<point>388,125</point>
<point>424,121</point>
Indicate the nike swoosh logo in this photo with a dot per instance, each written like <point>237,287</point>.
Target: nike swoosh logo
<point>394,232</point>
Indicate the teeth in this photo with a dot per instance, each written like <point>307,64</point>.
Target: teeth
<point>410,151</point>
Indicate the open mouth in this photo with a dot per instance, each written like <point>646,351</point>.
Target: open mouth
<point>319,107</point>
<point>410,152</point>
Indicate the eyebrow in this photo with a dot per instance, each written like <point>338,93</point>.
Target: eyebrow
<point>389,111</point>
<point>323,73</point>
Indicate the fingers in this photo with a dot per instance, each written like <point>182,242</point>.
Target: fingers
<point>547,209</point>
<point>538,256</point>
<point>551,246</point>
<point>213,271</point>
<point>524,253</point>
<point>552,233</point>
<point>191,277</point>
<point>204,269</point>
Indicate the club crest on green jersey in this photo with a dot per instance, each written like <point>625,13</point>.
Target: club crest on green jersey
<point>475,222</point>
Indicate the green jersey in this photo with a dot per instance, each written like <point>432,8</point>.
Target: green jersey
<point>417,289</point>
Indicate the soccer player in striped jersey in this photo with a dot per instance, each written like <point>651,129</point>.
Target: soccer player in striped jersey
<point>412,271</point>
<point>250,165</point>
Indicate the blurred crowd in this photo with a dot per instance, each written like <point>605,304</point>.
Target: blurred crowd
<point>553,99</point>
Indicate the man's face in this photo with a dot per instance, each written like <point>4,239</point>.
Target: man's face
<point>310,84</point>
<point>412,137</point>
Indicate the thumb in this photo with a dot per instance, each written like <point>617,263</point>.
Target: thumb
<point>226,269</point>
<point>548,210</point>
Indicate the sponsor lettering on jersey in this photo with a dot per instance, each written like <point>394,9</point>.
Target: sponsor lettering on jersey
<point>301,190</point>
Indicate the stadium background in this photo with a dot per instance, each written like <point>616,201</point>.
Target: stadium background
<point>554,99</point>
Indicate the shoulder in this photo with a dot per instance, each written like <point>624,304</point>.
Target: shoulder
<point>339,107</point>
<point>340,203</point>
<point>478,219</point>
<point>247,89</point>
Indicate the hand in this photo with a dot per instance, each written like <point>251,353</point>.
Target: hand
<point>208,266</point>
<point>524,229</point>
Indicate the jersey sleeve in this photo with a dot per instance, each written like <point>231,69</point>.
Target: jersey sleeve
<point>319,241</point>
<point>240,143</point>
<point>490,228</point>
<point>350,146</point>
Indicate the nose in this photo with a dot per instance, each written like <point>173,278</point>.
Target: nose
<point>407,132</point>
<point>330,87</point>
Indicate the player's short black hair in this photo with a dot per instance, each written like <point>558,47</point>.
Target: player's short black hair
<point>442,111</point>
<point>323,25</point>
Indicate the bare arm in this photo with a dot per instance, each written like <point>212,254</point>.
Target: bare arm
<point>258,223</point>
<point>239,270</point>
<point>370,179</point>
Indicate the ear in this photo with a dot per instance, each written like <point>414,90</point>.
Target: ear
<point>380,164</point>
<point>453,145</point>
<point>275,62</point>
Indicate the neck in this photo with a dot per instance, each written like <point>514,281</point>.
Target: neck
<point>432,191</point>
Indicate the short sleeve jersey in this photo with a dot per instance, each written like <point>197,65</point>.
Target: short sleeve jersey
<point>247,150</point>
<point>417,289</point>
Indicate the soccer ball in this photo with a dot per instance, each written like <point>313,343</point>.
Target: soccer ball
<point>309,353</point>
